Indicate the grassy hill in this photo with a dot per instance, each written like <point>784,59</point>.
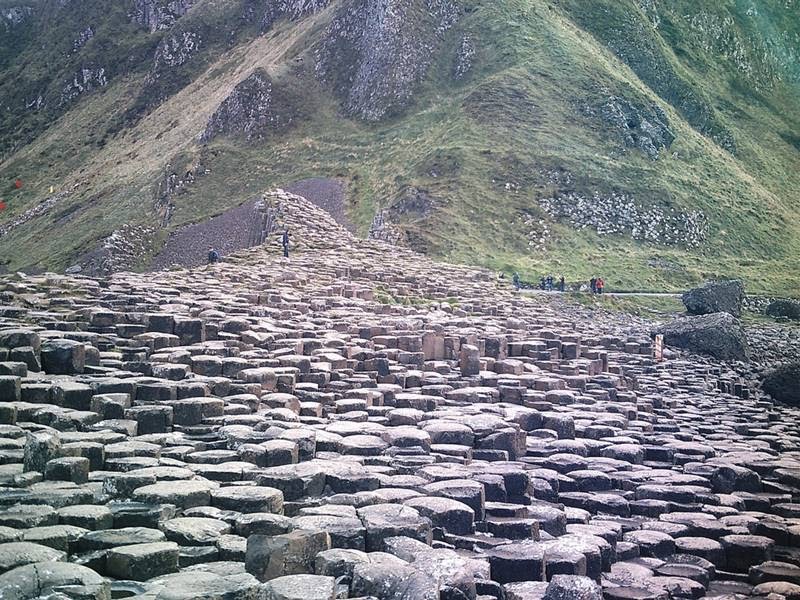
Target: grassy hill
<point>655,143</point>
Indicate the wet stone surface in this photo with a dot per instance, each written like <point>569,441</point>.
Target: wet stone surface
<point>360,422</point>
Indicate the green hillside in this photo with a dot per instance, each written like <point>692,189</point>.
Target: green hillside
<point>656,143</point>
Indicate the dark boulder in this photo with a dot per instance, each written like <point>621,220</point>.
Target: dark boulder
<point>789,309</point>
<point>783,383</point>
<point>719,335</point>
<point>714,297</point>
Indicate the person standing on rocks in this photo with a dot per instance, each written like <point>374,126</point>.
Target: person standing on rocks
<point>561,284</point>
<point>600,285</point>
<point>515,280</point>
<point>593,285</point>
<point>285,243</point>
<point>213,255</point>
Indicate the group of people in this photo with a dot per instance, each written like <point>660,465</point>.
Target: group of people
<point>214,255</point>
<point>597,285</point>
<point>547,283</point>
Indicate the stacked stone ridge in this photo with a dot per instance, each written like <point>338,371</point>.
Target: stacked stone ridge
<point>360,422</point>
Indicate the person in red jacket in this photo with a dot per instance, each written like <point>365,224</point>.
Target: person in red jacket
<point>601,284</point>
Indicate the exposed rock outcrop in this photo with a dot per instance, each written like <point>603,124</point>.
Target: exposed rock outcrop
<point>13,16</point>
<point>719,335</point>
<point>384,230</point>
<point>122,250</point>
<point>169,72</point>
<point>645,127</point>
<point>254,108</point>
<point>715,296</point>
<point>464,58</point>
<point>175,50</point>
<point>159,14</point>
<point>376,52</point>
<point>83,38</point>
<point>35,211</point>
<point>83,82</point>
<point>288,9</point>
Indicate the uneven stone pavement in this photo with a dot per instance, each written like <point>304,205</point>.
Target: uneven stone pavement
<point>361,422</point>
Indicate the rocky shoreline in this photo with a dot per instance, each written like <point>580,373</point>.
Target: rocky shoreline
<point>360,422</point>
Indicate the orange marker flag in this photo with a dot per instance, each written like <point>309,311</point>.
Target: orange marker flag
<point>18,183</point>
<point>2,205</point>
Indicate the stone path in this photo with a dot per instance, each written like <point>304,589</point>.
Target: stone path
<point>360,422</point>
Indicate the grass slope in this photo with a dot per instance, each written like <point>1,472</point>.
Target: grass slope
<point>484,147</point>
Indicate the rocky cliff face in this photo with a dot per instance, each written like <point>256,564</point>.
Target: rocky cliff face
<point>376,52</point>
<point>645,127</point>
<point>253,109</point>
<point>84,81</point>
<point>159,14</point>
<point>13,16</point>
<point>170,70</point>
<point>275,10</point>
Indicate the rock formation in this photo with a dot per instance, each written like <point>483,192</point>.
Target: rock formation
<point>289,9</point>
<point>719,335</point>
<point>643,127</point>
<point>252,110</point>
<point>159,14</point>
<point>788,309</point>
<point>783,383</point>
<point>715,296</point>
<point>376,52</point>
<point>358,421</point>
<point>14,16</point>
